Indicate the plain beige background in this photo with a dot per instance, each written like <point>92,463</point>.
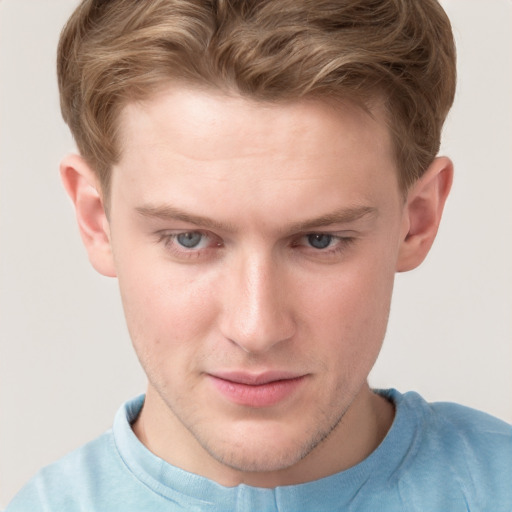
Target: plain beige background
<point>66,362</point>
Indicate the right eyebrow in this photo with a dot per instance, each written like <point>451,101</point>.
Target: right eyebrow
<point>168,212</point>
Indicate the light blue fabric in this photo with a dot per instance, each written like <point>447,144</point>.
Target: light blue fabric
<point>436,458</point>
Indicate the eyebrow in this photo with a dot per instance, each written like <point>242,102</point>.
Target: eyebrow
<point>341,216</point>
<point>168,212</point>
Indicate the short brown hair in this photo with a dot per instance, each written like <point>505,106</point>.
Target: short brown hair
<point>113,52</point>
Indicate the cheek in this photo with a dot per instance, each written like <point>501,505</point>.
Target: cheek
<point>167,310</point>
<point>350,313</point>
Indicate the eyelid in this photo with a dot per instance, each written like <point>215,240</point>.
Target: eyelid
<point>168,238</point>
<point>341,235</point>
<point>343,241</point>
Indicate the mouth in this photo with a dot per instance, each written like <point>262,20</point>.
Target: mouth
<point>256,390</point>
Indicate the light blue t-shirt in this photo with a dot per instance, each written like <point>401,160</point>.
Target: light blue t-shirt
<point>438,457</point>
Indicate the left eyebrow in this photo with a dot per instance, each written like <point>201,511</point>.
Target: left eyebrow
<point>341,216</point>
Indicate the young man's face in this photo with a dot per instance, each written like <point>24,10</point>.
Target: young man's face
<point>255,246</point>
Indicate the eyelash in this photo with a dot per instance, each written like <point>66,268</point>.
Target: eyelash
<point>168,239</point>
<point>341,244</point>
<point>169,242</point>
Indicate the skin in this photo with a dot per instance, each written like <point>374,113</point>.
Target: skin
<point>254,293</point>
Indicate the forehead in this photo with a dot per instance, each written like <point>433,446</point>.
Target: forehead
<point>189,139</point>
<point>209,123</point>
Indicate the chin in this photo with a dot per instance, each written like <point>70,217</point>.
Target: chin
<point>263,449</point>
<point>258,460</point>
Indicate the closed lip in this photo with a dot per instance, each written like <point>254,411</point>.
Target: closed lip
<point>255,378</point>
<point>257,389</point>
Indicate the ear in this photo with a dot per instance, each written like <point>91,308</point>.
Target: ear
<point>422,213</point>
<point>83,188</point>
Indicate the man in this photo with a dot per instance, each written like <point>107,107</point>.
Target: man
<point>254,174</point>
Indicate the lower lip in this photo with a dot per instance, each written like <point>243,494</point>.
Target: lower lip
<point>262,395</point>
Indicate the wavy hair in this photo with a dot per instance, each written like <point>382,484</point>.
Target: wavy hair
<point>113,52</point>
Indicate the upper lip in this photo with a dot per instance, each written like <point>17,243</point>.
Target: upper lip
<point>255,378</point>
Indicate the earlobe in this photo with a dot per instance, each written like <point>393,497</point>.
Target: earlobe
<point>81,184</point>
<point>423,212</point>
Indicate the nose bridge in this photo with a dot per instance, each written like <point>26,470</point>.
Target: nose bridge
<point>258,313</point>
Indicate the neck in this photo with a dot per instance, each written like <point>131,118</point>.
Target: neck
<point>358,434</point>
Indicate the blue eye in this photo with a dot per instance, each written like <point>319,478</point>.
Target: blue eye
<point>189,240</point>
<point>190,245</point>
<point>319,240</point>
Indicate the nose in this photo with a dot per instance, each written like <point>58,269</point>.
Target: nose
<point>257,312</point>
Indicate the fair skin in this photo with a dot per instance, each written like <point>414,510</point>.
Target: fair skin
<point>255,247</point>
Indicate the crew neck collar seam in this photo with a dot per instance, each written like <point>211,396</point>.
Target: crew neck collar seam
<point>130,453</point>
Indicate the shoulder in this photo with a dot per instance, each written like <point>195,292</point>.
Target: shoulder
<point>450,418</point>
<point>87,476</point>
<point>52,486</point>
<point>485,442</point>
<point>472,423</point>
<point>461,450</point>
<point>96,476</point>
<point>459,430</point>
<point>475,432</point>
